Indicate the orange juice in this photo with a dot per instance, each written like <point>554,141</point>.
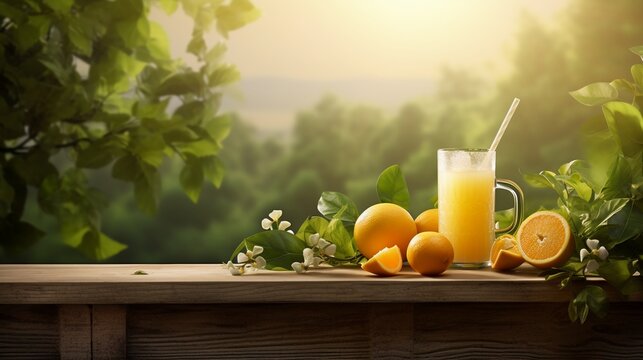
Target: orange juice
<point>466,196</point>
<point>466,210</point>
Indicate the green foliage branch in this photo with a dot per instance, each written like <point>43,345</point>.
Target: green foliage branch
<point>87,84</point>
<point>610,212</point>
<point>286,250</point>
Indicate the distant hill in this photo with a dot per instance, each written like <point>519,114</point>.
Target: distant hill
<point>271,104</point>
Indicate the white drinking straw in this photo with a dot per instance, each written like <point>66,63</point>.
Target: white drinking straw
<point>505,123</point>
<point>501,131</point>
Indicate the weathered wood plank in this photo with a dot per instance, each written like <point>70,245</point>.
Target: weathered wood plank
<point>524,331</point>
<point>109,336</point>
<point>391,331</point>
<point>75,331</point>
<point>252,331</point>
<point>115,284</point>
<point>28,332</point>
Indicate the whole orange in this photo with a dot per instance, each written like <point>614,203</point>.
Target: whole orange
<point>427,221</point>
<point>430,253</point>
<point>381,226</point>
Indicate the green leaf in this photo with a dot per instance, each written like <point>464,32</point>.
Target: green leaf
<point>572,311</point>
<point>18,235</point>
<point>126,168</point>
<point>98,246</point>
<point>554,183</point>
<point>95,156</point>
<point>583,312</point>
<point>280,248</point>
<point>158,44</point>
<point>191,179</point>
<point>331,202</point>
<point>79,34</point>
<point>638,50</point>
<point>150,149</point>
<point>197,45</point>
<point>181,84</point>
<point>536,180</point>
<point>213,170</point>
<point>607,209</point>
<point>59,6</point>
<point>312,225</point>
<point>637,74</point>
<point>219,127</point>
<point>616,272</point>
<point>391,187</point>
<point>200,148</point>
<point>619,181</point>
<point>623,85</point>
<point>168,6</point>
<point>224,75</point>
<point>596,300</point>
<point>235,15</point>
<point>147,189</point>
<point>626,125</point>
<point>337,234</point>
<point>595,94</point>
<point>34,167</point>
<point>576,182</point>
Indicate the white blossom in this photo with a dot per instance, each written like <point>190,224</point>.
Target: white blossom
<point>592,244</point>
<point>592,266</point>
<point>241,258</point>
<point>583,253</point>
<point>317,261</point>
<point>284,225</point>
<point>290,231</point>
<point>275,215</point>
<point>313,240</point>
<point>233,269</point>
<point>602,253</point>
<point>256,250</point>
<point>266,224</point>
<point>298,267</point>
<point>308,256</point>
<point>330,249</point>
<point>323,243</point>
<point>260,262</point>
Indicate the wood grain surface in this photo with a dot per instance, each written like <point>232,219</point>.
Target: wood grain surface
<point>29,332</point>
<point>109,337</point>
<point>75,331</point>
<point>179,284</point>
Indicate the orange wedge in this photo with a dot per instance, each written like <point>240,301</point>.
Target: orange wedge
<point>386,262</point>
<point>505,254</point>
<point>545,240</point>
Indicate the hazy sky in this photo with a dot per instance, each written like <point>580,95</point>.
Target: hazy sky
<point>337,39</point>
<point>381,52</point>
<point>331,39</point>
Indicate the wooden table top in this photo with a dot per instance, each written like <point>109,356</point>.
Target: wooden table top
<point>212,283</point>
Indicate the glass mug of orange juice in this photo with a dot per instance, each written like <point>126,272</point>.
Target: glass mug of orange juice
<point>466,203</point>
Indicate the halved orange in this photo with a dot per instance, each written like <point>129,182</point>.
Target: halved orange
<point>505,254</point>
<point>545,240</point>
<point>386,262</point>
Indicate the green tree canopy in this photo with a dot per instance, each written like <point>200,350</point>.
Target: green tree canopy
<point>88,84</point>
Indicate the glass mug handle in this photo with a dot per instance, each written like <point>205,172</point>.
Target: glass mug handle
<point>519,201</point>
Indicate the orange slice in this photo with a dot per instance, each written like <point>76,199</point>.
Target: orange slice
<point>505,254</point>
<point>545,240</point>
<point>386,262</point>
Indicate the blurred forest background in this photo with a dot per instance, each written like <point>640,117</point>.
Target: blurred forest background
<point>342,146</point>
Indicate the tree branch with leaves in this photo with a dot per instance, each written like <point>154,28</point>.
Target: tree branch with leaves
<point>89,84</point>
